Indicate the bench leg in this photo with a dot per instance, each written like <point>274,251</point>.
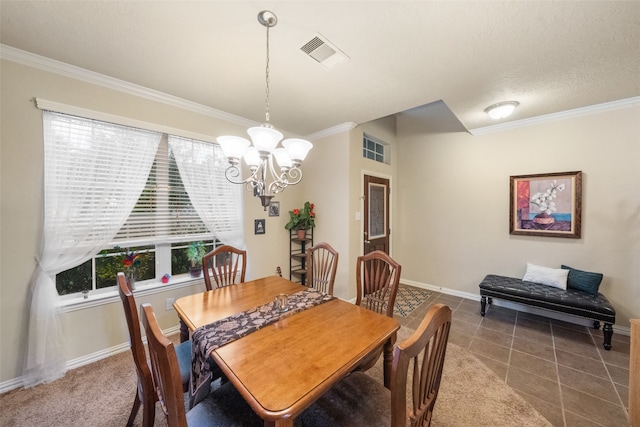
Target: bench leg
<point>483,305</point>
<point>607,329</point>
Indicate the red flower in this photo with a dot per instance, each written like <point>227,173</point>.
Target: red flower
<point>296,211</point>
<point>312,206</point>
<point>313,214</point>
<point>131,259</point>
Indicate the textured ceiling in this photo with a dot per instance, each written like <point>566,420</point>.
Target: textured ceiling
<point>551,56</point>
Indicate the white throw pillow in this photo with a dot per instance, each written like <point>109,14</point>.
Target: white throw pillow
<point>555,277</point>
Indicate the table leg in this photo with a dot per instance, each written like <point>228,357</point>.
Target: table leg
<point>388,360</point>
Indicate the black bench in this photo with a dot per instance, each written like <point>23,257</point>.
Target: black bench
<point>571,301</point>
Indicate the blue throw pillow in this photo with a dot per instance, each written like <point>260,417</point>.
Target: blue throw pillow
<point>583,280</point>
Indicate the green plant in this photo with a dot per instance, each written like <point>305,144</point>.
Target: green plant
<point>195,253</point>
<point>302,219</point>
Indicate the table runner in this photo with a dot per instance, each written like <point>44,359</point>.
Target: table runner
<point>207,338</point>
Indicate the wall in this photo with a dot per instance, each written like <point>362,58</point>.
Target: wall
<point>325,172</point>
<point>99,328</point>
<point>454,199</point>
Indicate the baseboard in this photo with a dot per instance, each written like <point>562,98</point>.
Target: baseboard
<point>12,384</point>
<point>618,329</point>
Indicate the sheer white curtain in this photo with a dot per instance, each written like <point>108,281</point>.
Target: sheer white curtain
<point>217,201</point>
<point>94,174</point>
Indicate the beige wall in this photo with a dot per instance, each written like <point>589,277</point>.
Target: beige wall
<point>325,173</point>
<point>454,202</point>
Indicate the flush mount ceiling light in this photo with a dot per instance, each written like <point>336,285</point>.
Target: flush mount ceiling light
<point>265,161</point>
<point>501,110</point>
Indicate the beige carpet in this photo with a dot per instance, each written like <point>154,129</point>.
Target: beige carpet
<point>101,394</point>
<point>472,395</point>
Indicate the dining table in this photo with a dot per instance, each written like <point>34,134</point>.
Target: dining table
<point>285,366</point>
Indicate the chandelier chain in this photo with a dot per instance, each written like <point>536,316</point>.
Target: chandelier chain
<point>267,78</point>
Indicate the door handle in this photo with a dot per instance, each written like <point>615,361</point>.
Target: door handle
<point>366,241</point>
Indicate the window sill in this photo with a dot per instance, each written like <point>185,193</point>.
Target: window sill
<point>101,298</point>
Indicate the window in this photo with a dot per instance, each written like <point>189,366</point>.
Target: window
<point>374,150</point>
<point>161,226</point>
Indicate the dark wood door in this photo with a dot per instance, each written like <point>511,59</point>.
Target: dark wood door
<point>376,214</point>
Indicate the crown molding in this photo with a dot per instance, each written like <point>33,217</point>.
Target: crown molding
<point>51,65</point>
<point>344,127</point>
<point>592,109</point>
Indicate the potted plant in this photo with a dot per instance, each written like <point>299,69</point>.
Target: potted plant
<point>131,264</point>
<point>195,253</point>
<point>302,219</point>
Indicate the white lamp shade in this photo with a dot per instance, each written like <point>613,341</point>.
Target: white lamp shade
<point>252,157</point>
<point>282,157</point>
<point>264,138</point>
<point>233,146</point>
<point>297,148</point>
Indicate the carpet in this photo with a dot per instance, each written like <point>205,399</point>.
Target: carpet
<point>472,395</point>
<point>101,394</point>
<point>408,299</point>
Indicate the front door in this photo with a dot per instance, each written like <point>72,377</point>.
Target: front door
<point>376,214</point>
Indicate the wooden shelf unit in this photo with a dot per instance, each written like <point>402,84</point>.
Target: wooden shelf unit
<point>298,255</point>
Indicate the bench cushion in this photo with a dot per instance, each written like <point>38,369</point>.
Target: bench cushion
<point>569,301</point>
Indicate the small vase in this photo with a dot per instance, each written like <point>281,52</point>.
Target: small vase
<point>131,281</point>
<point>543,221</point>
<point>302,234</point>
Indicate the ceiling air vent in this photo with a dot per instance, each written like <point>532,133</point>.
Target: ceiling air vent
<point>322,51</point>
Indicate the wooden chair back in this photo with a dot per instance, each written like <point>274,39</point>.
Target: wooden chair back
<point>226,265</point>
<point>322,264</point>
<point>166,372</point>
<point>377,279</point>
<point>425,351</point>
<point>146,394</point>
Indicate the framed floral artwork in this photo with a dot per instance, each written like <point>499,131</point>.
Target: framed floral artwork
<point>547,204</point>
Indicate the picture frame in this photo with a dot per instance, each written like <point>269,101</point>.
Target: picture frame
<point>259,226</point>
<point>274,209</point>
<point>546,204</point>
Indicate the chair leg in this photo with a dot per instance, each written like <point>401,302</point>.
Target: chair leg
<point>148,411</point>
<point>184,331</point>
<point>134,410</point>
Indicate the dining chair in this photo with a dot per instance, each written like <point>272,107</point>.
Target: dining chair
<point>322,264</point>
<point>360,399</point>
<point>224,406</point>
<point>377,281</point>
<point>226,264</point>
<point>146,395</point>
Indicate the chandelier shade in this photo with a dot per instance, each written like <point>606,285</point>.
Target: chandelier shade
<point>272,168</point>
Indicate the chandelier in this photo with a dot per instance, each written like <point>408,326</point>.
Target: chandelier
<point>271,168</point>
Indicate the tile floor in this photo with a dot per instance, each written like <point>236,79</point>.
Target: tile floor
<point>560,368</point>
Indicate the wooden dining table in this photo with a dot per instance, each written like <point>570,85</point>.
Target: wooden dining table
<point>282,368</point>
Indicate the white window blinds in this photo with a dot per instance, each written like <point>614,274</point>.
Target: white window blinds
<point>164,212</point>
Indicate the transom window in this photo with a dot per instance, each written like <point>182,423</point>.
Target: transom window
<point>374,149</point>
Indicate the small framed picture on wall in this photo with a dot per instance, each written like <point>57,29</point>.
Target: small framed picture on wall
<point>274,209</point>
<point>259,226</point>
